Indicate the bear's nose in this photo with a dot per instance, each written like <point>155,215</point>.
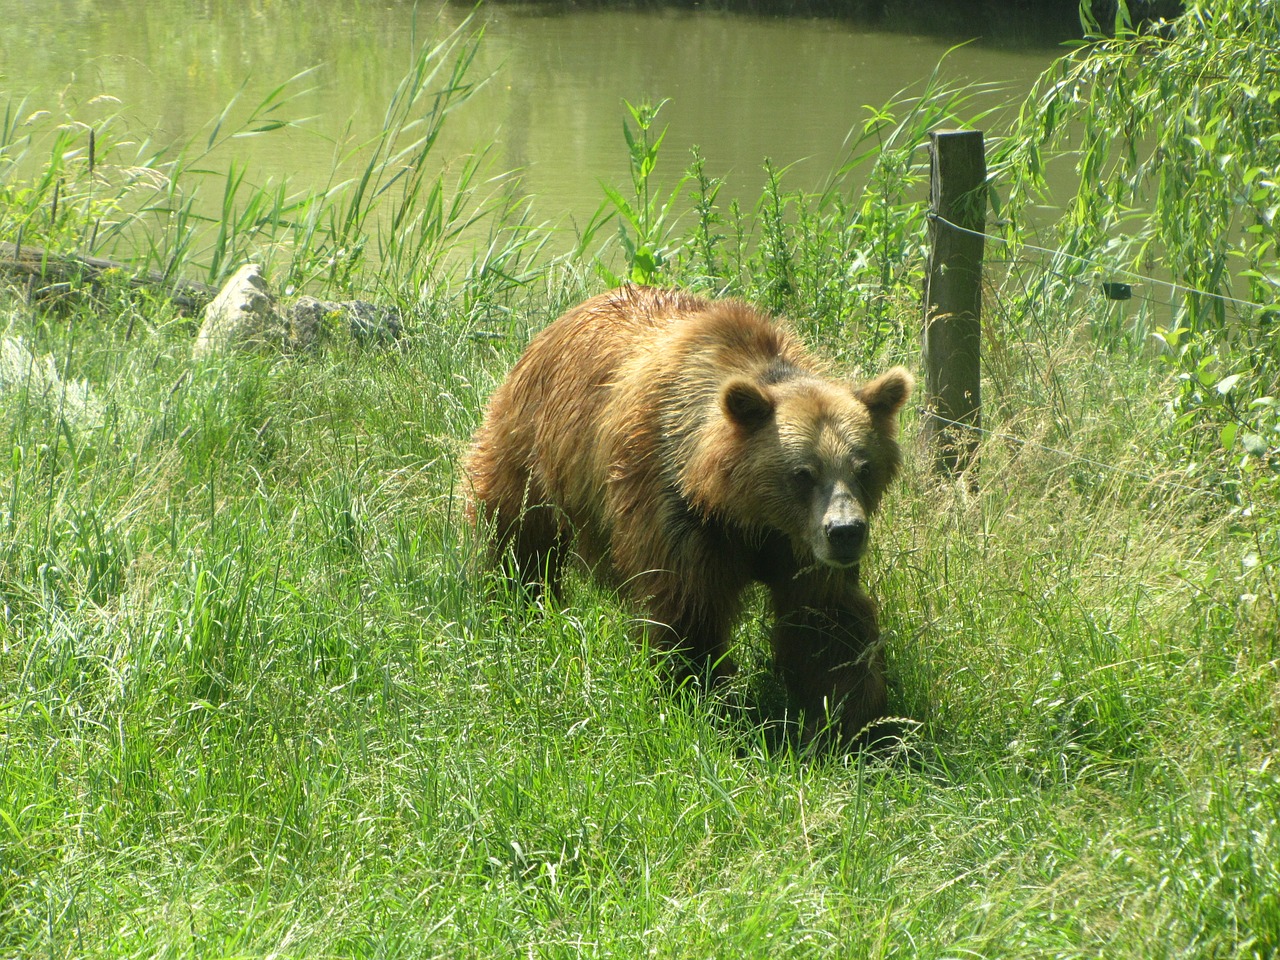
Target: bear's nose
<point>847,537</point>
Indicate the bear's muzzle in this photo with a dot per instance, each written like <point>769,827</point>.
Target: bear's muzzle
<point>846,541</point>
<point>843,531</point>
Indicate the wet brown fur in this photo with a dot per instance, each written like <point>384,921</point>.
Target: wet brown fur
<point>658,435</point>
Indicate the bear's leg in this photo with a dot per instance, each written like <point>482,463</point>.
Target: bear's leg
<point>830,659</point>
<point>696,636</point>
<point>537,547</point>
<point>527,536</point>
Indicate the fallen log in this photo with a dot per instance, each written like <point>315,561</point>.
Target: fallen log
<point>55,270</point>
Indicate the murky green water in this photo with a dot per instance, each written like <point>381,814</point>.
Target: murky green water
<point>741,88</point>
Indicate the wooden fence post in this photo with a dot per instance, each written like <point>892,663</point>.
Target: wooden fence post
<point>953,298</point>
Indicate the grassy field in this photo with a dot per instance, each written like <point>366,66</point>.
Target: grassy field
<point>257,701</point>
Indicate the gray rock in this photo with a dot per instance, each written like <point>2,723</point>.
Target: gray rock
<point>242,316</point>
<point>311,321</point>
<point>373,325</point>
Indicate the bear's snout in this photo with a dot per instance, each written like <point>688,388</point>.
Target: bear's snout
<point>846,540</point>
<point>843,530</point>
<point>846,537</point>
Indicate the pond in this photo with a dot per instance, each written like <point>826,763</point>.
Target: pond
<point>742,88</point>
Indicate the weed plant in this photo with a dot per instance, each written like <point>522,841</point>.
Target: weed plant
<point>258,699</point>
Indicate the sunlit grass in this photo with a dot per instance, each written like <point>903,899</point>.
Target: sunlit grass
<point>257,699</point>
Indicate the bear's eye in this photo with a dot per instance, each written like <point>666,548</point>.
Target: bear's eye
<point>804,476</point>
<point>862,470</point>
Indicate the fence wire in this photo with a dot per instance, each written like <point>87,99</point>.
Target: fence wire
<point>1108,271</point>
<point>1107,268</point>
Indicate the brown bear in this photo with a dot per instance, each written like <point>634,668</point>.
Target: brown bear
<point>685,448</point>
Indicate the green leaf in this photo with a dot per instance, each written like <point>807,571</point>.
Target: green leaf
<point>1226,383</point>
<point>1228,435</point>
<point>1254,445</point>
<point>622,206</point>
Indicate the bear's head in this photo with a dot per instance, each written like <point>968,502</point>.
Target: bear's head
<point>804,456</point>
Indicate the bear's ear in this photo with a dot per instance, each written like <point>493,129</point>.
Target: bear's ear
<point>885,395</point>
<point>745,402</point>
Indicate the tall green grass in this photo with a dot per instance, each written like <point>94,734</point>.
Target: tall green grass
<point>258,699</point>
<point>393,211</point>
